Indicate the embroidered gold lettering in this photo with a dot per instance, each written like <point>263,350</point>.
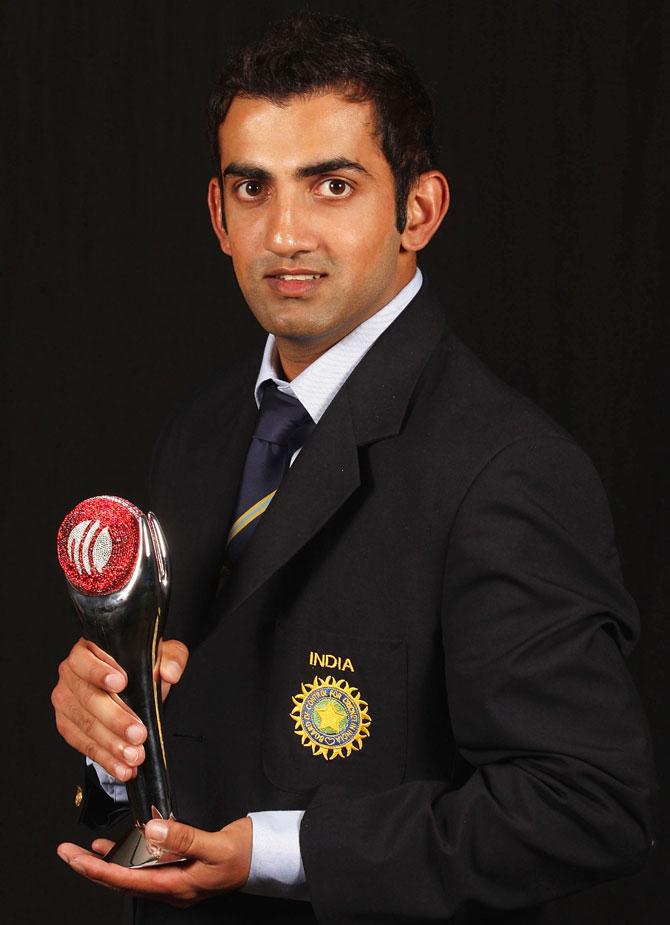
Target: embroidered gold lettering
<point>328,660</point>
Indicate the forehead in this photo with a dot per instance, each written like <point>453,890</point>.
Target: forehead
<point>302,130</point>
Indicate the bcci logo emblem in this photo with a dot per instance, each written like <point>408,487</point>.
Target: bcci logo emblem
<point>331,718</point>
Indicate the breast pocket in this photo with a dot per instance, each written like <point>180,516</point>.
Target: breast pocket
<point>335,710</point>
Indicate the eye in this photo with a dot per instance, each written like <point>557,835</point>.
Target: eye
<point>250,189</point>
<point>335,188</point>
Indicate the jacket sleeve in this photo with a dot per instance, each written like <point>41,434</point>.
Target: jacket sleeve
<point>97,810</point>
<point>536,624</point>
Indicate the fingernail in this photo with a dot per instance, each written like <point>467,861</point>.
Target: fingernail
<point>135,733</point>
<point>156,830</point>
<point>171,671</point>
<point>115,681</point>
<point>131,754</point>
<point>121,771</point>
<point>62,855</point>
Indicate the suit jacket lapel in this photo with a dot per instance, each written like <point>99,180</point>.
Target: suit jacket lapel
<point>370,406</point>
<point>202,495</point>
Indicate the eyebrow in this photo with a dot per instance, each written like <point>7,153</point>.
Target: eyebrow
<point>235,169</point>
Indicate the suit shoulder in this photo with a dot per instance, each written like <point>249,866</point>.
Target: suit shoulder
<point>202,419</point>
<point>486,408</point>
<point>469,417</point>
<point>216,398</point>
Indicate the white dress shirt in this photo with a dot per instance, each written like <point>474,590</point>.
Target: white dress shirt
<point>276,863</point>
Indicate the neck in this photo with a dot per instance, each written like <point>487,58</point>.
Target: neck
<point>294,362</point>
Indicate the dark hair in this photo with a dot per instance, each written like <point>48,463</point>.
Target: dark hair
<point>311,52</point>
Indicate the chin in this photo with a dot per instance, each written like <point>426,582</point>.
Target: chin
<point>297,325</point>
<point>298,332</point>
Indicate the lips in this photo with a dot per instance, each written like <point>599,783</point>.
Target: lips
<point>295,273</point>
<point>297,276</point>
<point>295,281</point>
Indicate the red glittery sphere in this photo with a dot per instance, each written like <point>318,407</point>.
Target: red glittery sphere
<point>98,544</point>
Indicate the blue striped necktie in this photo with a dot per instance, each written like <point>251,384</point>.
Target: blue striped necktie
<point>283,426</point>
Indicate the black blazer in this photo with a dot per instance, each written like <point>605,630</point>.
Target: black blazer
<point>447,552</point>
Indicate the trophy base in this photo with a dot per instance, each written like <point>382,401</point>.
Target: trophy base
<point>133,850</point>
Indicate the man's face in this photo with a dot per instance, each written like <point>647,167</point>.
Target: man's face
<point>307,191</point>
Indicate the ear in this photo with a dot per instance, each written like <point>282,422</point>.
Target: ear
<point>214,202</point>
<point>427,205</point>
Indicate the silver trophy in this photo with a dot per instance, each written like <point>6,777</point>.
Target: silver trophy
<point>115,561</point>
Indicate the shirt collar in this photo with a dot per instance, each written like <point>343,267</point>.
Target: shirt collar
<point>319,383</point>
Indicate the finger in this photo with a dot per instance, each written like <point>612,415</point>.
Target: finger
<point>92,722</point>
<point>88,865</point>
<point>117,757</point>
<point>75,697</point>
<point>74,855</point>
<point>173,660</point>
<point>91,664</point>
<point>182,839</point>
<point>102,846</point>
<point>97,715</point>
<point>101,654</point>
<point>109,728</point>
<point>124,706</point>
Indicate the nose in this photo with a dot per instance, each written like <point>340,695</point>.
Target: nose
<point>289,230</point>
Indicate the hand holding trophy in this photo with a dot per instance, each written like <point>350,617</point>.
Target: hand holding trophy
<point>116,564</point>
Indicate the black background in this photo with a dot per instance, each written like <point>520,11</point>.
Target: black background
<point>117,302</point>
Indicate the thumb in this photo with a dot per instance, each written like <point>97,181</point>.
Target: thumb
<point>179,838</point>
<point>173,660</point>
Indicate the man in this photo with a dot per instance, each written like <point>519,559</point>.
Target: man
<point>411,673</point>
